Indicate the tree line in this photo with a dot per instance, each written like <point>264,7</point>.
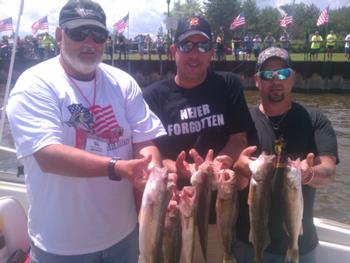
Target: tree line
<point>220,14</point>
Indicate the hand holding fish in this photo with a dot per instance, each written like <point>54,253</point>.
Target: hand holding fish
<point>306,167</point>
<point>224,161</point>
<point>185,169</point>
<point>135,170</point>
<point>241,166</point>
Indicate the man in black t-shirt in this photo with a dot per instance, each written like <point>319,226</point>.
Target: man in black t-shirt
<point>299,132</point>
<point>200,110</point>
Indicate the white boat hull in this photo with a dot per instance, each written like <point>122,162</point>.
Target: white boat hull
<point>334,245</point>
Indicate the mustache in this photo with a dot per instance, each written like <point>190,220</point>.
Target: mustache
<point>88,49</point>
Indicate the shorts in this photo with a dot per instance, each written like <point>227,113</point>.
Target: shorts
<point>347,50</point>
<point>329,47</point>
<point>124,251</point>
<point>244,253</point>
<point>314,50</point>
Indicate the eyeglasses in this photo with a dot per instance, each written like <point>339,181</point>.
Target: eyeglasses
<point>187,47</point>
<point>80,34</point>
<point>281,74</point>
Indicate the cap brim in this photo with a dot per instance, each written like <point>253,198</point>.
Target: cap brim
<point>285,60</point>
<point>83,22</point>
<point>187,34</point>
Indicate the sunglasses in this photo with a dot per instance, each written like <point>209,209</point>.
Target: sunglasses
<point>281,74</point>
<point>187,47</point>
<point>80,34</point>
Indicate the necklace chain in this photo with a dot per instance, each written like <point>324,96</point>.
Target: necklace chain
<point>276,125</point>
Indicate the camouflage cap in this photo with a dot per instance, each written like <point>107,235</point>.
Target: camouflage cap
<point>273,52</point>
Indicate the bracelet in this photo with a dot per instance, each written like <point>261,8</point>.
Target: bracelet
<point>111,172</point>
<point>312,172</point>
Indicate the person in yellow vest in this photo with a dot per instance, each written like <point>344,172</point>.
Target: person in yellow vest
<point>316,41</point>
<point>330,44</point>
<point>46,43</point>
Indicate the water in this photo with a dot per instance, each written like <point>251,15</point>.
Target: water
<point>332,201</point>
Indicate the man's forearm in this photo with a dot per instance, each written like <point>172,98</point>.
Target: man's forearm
<point>70,161</point>
<point>148,148</point>
<point>236,143</point>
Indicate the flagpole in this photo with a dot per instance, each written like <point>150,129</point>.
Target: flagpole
<point>325,38</point>
<point>113,40</point>
<point>9,76</point>
<point>128,34</point>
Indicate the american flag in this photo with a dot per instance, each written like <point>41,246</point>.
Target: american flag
<point>105,124</point>
<point>323,18</point>
<point>6,24</point>
<point>238,21</point>
<point>286,20</point>
<point>122,24</point>
<point>41,24</point>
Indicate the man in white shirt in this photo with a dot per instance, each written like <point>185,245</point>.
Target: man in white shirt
<point>84,134</point>
<point>347,47</point>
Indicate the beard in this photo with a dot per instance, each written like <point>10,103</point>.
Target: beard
<point>276,94</point>
<point>79,65</point>
<point>277,98</point>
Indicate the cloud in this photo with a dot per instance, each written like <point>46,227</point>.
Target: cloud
<point>146,16</point>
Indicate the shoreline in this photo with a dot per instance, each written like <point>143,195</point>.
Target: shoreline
<point>312,77</point>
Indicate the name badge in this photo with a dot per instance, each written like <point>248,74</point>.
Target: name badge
<point>96,145</point>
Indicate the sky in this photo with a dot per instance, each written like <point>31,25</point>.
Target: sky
<point>146,16</point>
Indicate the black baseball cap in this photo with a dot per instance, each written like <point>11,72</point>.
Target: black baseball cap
<point>77,13</point>
<point>192,25</point>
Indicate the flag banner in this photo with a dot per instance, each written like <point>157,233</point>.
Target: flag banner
<point>239,21</point>
<point>286,20</point>
<point>41,24</point>
<point>323,18</point>
<point>122,24</point>
<point>6,24</point>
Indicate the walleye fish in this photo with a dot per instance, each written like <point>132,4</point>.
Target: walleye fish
<point>188,205</point>
<point>204,180</point>
<point>172,233</point>
<point>227,212</point>
<point>259,199</point>
<point>154,204</point>
<point>294,206</point>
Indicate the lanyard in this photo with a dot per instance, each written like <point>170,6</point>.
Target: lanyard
<point>81,92</point>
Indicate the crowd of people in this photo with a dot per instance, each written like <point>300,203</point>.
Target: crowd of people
<point>243,48</point>
<point>247,47</point>
<point>42,46</point>
<point>88,138</point>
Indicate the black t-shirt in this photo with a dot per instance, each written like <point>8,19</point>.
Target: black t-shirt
<point>304,130</point>
<point>202,117</point>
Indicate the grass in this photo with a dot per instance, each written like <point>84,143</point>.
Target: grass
<point>337,57</point>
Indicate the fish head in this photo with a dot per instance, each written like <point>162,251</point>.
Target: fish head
<point>293,173</point>
<point>226,183</point>
<point>262,166</point>
<point>157,184</point>
<point>208,170</point>
<point>173,209</point>
<point>187,203</point>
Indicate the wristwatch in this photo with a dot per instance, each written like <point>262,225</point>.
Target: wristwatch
<point>111,172</point>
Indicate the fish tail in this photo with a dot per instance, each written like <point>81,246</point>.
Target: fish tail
<point>292,255</point>
<point>229,259</point>
<point>258,257</point>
